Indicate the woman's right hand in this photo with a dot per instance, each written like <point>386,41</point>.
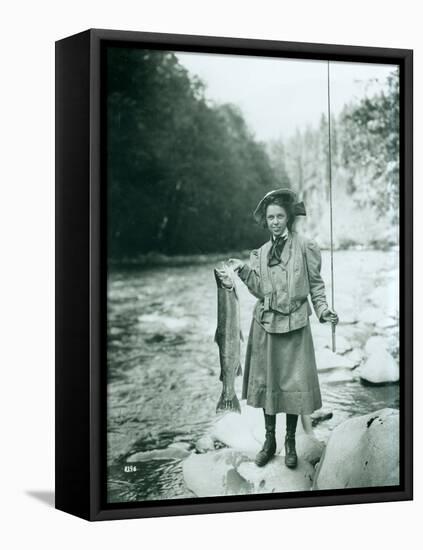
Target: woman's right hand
<point>330,316</point>
<point>236,264</point>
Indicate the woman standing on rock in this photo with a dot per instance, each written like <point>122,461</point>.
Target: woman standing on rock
<point>280,365</point>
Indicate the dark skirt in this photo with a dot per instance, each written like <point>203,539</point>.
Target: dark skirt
<point>280,372</point>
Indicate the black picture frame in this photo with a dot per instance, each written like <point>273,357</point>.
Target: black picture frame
<point>81,282</point>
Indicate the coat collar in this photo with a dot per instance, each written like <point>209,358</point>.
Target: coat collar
<point>287,249</point>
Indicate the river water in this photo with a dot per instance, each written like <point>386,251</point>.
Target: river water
<point>163,365</point>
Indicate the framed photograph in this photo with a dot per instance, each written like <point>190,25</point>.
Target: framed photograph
<point>233,274</point>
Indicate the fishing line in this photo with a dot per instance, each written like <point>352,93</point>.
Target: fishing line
<point>330,209</point>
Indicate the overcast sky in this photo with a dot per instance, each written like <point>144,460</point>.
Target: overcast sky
<point>278,95</point>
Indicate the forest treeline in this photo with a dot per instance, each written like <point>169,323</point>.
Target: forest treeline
<point>184,174</point>
<point>364,165</point>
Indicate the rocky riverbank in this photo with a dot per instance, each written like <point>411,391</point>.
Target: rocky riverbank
<point>163,371</point>
<point>360,452</point>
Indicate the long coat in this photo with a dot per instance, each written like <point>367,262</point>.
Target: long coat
<point>280,372</point>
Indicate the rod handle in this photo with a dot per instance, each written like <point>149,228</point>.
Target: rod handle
<point>333,338</point>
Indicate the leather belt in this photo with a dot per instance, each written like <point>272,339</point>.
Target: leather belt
<point>266,306</point>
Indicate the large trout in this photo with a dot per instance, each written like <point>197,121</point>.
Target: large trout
<point>227,337</point>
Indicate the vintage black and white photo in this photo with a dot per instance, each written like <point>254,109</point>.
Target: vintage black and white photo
<point>252,274</point>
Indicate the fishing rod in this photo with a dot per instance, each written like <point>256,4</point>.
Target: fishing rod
<point>331,208</point>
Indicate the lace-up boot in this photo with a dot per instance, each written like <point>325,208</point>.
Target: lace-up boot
<point>291,458</point>
<point>269,448</point>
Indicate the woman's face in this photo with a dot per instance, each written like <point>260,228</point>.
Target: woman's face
<point>276,219</point>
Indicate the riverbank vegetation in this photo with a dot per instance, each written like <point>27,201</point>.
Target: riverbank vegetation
<point>184,173</point>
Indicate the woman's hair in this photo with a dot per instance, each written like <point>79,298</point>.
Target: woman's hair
<point>287,206</point>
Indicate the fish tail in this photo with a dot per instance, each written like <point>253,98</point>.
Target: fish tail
<point>225,404</point>
<point>238,370</point>
<point>216,336</point>
<point>241,336</point>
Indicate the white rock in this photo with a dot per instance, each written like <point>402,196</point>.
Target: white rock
<point>180,445</point>
<point>215,474</point>
<point>229,472</point>
<point>350,318</point>
<point>309,448</point>
<point>387,322</point>
<point>375,343</point>
<point>327,359</point>
<point>204,444</point>
<point>378,295</point>
<point>391,303</point>
<point>275,477</point>
<point>380,368</point>
<point>355,356</point>
<point>386,297</point>
<point>370,315</point>
<point>361,452</point>
<point>342,344</point>
<point>233,430</point>
<point>159,454</point>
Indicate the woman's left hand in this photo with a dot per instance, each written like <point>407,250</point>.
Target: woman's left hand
<point>330,316</point>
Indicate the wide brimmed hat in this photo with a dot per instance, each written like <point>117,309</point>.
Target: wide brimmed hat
<point>287,196</point>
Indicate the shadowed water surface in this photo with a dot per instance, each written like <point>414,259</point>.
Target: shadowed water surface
<point>163,365</point>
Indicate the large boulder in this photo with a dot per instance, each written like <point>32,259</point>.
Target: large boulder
<point>379,368</point>
<point>275,477</point>
<point>236,431</point>
<point>361,452</point>
<point>215,474</point>
<point>309,448</point>
<point>230,472</point>
<point>375,343</point>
